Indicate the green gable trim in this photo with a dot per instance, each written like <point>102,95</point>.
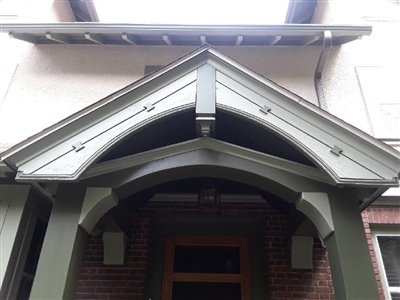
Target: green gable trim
<point>346,157</point>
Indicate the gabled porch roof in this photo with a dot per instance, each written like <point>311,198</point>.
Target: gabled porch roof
<point>342,153</point>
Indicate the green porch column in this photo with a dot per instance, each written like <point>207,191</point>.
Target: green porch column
<point>337,217</point>
<point>14,235</point>
<point>61,256</point>
<point>349,257</point>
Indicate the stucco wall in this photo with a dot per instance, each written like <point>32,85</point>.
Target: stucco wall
<point>42,11</point>
<point>361,78</point>
<point>52,82</point>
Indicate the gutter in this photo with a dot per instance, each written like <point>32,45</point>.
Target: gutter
<point>138,34</point>
<point>297,29</point>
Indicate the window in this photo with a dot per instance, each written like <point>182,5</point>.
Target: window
<point>387,247</point>
<point>206,267</point>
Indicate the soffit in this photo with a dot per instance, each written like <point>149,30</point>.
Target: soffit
<point>183,35</point>
<point>66,150</point>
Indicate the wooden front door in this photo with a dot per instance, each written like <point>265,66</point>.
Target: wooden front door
<point>206,268</point>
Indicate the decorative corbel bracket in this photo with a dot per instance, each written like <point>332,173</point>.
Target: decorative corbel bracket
<point>97,202</point>
<point>205,126</point>
<point>317,208</point>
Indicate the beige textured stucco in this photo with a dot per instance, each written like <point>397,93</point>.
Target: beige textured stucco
<point>43,11</point>
<point>55,81</point>
<point>361,78</point>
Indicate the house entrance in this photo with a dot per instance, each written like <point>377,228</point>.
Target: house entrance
<point>206,267</point>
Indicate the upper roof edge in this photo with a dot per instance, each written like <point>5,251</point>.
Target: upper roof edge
<point>38,32</point>
<point>165,27</point>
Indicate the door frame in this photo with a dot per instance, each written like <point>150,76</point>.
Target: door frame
<point>251,227</point>
<point>169,276</point>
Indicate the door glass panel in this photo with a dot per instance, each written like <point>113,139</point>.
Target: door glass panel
<point>206,291</point>
<point>207,259</point>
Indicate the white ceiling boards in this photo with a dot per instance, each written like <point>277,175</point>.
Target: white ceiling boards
<point>70,148</point>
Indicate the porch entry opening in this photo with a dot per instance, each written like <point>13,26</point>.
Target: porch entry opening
<point>206,267</point>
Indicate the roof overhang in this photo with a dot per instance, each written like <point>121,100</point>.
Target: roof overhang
<point>183,35</point>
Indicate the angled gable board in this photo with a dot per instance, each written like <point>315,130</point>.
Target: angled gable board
<point>239,91</point>
<point>233,96</point>
<point>70,157</point>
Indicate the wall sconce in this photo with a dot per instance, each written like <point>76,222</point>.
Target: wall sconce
<point>209,195</point>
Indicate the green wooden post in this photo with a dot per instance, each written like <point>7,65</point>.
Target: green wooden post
<point>14,220</point>
<point>349,257</point>
<point>61,256</point>
<point>337,217</point>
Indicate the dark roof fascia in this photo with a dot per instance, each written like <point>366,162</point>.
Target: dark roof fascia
<point>36,32</point>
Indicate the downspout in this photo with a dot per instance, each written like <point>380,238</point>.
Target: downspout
<point>327,44</point>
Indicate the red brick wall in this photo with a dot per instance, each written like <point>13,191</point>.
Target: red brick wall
<point>378,215</point>
<point>128,281</point>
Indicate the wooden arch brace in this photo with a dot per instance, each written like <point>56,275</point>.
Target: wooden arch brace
<point>317,208</point>
<point>96,203</point>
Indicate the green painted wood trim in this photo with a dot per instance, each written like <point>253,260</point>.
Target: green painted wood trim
<point>211,144</point>
<point>204,162</point>
<point>302,252</point>
<point>67,161</point>
<point>14,234</point>
<point>97,202</point>
<point>114,245</point>
<point>61,256</point>
<point>316,207</point>
<point>205,97</point>
<point>349,256</point>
